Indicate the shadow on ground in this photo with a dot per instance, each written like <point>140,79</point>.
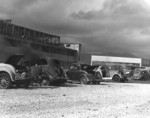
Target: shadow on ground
<point>130,81</point>
<point>47,87</point>
<point>139,81</point>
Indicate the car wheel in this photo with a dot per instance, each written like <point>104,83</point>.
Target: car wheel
<point>116,78</point>
<point>45,82</point>
<point>5,81</point>
<point>83,79</point>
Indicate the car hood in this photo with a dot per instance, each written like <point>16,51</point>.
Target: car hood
<point>14,59</point>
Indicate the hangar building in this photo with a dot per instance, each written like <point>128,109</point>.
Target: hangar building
<point>111,60</point>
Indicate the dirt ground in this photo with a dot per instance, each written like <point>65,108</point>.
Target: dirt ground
<point>108,100</point>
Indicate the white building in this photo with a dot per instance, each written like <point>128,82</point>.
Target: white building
<point>96,59</point>
<point>110,60</point>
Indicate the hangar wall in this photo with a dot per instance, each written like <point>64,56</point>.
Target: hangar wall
<point>109,60</point>
<point>97,59</point>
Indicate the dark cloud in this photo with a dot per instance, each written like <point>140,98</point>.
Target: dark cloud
<point>117,21</point>
<point>113,25</point>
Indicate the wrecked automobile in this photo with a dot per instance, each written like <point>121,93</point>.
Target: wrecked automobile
<point>46,71</point>
<point>14,71</point>
<point>89,75</point>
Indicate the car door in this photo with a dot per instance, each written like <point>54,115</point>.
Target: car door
<point>113,70</point>
<point>70,72</point>
<point>73,73</point>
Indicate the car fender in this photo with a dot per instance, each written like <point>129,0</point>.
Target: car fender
<point>84,74</point>
<point>8,69</point>
<point>117,75</point>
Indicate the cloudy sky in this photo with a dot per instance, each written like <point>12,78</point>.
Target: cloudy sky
<point>100,25</point>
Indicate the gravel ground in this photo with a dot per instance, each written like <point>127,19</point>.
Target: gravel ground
<point>108,100</point>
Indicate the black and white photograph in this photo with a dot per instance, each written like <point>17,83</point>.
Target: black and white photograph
<point>74,58</point>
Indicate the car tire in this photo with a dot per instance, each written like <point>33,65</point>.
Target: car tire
<point>83,79</point>
<point>46,79</point>
<point>5,81</point>
<point>45,82</point>
<point>116,78</point>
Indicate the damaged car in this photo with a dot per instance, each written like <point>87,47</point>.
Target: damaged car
<point>120,73</point>
<point>14,71</point>
<point>91,74</point>
<point>141,73</point>
<point>47,71</point>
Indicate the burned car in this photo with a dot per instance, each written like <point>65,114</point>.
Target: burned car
<point>125,73</point>
<point>47,71</point>
<point>90,74</point>
<point>120,73</point>
<point>14,72</point>
<point>96,72</point>
<point>141,73</point>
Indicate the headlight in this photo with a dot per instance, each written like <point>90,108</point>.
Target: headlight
<point>23,75</point>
